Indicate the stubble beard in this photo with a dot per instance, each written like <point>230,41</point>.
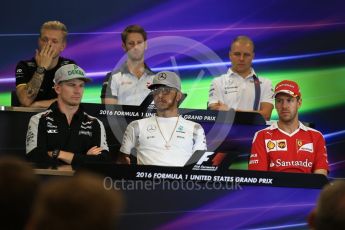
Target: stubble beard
<point>167,106</point>
<point>135,58</point>
<point>288,119</point>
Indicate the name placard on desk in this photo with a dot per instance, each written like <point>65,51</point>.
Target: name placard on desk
<point>197,115</point>
<point>225,131</point>
<point>185,174</point>
<point>137,112</point>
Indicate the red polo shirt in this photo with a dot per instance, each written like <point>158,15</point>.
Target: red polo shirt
<point>302,151</point>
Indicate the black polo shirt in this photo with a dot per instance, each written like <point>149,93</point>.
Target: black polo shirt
<point>50,130</point>
<point>26,69</point>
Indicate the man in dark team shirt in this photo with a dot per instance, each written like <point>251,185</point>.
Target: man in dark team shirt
<point>65,133</point>
<point>34,77</point>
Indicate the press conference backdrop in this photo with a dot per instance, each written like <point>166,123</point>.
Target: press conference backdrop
<point>296,40</point>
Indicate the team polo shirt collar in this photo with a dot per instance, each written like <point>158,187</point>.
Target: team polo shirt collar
<point>124,69</point>
<point>301,126</point>
<point>55,108</point>
<point>231,73</point>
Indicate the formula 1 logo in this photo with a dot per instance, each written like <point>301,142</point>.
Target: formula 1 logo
<point>204,157</point>
<point>210,161</point>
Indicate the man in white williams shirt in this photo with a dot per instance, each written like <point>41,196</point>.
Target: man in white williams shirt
<point>240,88</point>
<point>166,139</point>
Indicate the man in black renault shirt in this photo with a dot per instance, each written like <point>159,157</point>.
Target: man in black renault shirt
<point>34,77</point>
<point>65,133</point>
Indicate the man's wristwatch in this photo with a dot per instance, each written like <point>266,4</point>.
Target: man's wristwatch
<point>55,153</point>
<point>40,70</point>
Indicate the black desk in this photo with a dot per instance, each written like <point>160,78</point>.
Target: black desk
<point>223,176</point>
<point>256,199</point>
<point>225,131</point>
<point>198,203</point>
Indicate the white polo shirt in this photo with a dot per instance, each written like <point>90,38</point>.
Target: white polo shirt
<point>146,139</point>
<point>127,88</point>
<point>238,92</point>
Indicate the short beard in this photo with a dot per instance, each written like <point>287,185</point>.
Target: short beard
<point>289,120</point>
<point>135,59</point>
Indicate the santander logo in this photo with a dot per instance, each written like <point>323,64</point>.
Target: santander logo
<point>281,163</point>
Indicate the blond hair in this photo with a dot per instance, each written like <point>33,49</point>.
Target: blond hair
<point>55,25</point>
<point>243,38</point>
